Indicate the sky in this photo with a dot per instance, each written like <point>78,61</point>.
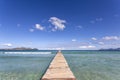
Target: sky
<point>60,24</point>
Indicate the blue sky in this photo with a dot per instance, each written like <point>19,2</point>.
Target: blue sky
<point>60,24</point>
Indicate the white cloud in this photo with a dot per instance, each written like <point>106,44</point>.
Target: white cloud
<point>93,38</point>
<point>7,44</point>
<point>101,43</point>
<point>116,15</point>
<point>79,26</point>
<point>53,29</point>
<point>74,40</point>
<point>87,47</point>
<point>60,48</point>
<point>53,48</point>
<point>18,25</point>
<point>92,21</point>
<point>39,27</point>
<point>99,19</point>
<point>31,30</point>
<point>96,20</point>
<point>58,23</point>
<point>30,42</point>
<point>111,38</point>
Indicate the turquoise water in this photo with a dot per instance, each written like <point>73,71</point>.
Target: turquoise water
<point>95,65</point>
<point>23,67</point>
<point>86,65</point>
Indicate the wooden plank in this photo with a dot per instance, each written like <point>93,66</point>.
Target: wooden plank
<point>58,69</point>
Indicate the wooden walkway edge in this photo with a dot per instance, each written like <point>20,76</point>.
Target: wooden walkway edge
<point>58,69</point>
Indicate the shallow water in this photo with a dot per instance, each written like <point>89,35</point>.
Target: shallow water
<point>86,65</point>
<point>95,66</point>
<point>23,67</point>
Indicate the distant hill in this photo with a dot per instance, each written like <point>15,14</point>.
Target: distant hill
<point>110,49</point>
<point>20,48</point>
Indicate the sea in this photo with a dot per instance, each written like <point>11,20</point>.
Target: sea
<point>85,65</point>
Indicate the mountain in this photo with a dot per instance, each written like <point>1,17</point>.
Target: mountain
<point>110,49</point>
<point>20,48</point>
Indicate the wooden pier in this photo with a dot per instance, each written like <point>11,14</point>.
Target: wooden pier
<point>58,69</point>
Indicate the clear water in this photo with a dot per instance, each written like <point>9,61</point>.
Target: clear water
<point>95,65</point>
<point>86,65</point>
<point>23,67</point>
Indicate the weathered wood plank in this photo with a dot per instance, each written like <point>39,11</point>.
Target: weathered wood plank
<point>58,69</point>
